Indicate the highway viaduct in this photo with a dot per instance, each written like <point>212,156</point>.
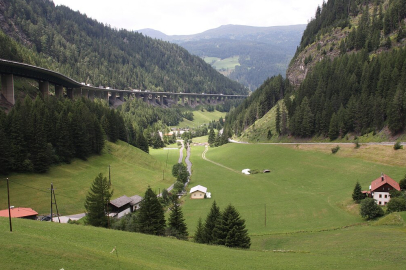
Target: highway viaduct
<point>65,86</point>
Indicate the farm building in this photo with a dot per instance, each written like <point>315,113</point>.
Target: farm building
<point>199,192</point>
<point>120,206</point>
<point>135,202</point>
<point>380,187</point>
<point>19,212</point>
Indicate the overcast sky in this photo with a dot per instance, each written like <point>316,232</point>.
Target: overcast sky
<point>182,17</point>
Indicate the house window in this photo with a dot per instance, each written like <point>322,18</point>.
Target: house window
<point>386,203</point>
<point>386,196</point>
<point>380,195</point>
<point>201,194</point>
<point>194,195</point>
<point>379,203</point>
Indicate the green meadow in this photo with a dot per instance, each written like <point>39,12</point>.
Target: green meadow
<point>299,216</point>
<point>131,169</point>
<point>201,118</point>
<point>227,63</point>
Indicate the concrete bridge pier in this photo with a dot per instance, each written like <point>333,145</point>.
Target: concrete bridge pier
<point>69,93</point>
<point>121,96</point>
<point>77,93</point>
<point>7,87</point>
<point>85,93</point>
<point>183,100</point>
<point>58,90</point>
<point>106,96</point>
<point>161,100</point>
<point>91,94</point>
<point>43,88</point>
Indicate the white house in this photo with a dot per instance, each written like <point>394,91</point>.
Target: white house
<point>380,187</point>
<point>199,192</point>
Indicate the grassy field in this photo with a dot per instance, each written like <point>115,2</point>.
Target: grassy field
<point>227,63</point>
<point>200,118</point>
<point>305,191</point>
<point>132,171</point>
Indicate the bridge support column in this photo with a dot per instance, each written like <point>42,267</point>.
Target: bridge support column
<point>176,98</point>
<point>77,93</point>
<point>69,93</point>
<point>121,96</point>
<point>7,87</point>
<point>145,98</point>
<point>106,96</point>
<point>183,100</point>
<point>113,96</point>
<point>91,94</point>
<point>85,93</point>
<point>58,90</point>
<point>43,88</point>
<point>161,100</point>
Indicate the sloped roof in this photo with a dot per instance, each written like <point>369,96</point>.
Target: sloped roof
<point>382,180</point>
<point>18,212</point>
<point>198,188</point>
<point>121,201</point>
<point>135,199</point>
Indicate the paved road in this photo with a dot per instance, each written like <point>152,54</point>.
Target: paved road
<point>329,143</point>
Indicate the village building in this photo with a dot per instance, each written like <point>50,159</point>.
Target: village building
<point>120,206</point>
<point>380,187</point>
<point>19,212</point>
<point>199,192</point>
<point>135,202</point>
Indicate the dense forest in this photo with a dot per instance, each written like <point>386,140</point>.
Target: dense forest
<point>69,42</point>
<point>361,90</point>
<point>36,134</point>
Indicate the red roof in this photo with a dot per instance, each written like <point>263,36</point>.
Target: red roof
<point>386,180</point>
<point>18,212</point>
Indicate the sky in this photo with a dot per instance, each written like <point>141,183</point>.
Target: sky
<point>184,17</point>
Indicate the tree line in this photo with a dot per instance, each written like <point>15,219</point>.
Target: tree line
<point>38,133</point>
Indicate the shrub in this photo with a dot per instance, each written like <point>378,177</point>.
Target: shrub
<point>357,145</point>
<point>370,210</point>
<point>396,205</point>
<point>397,146</point>
<point>335,149</point>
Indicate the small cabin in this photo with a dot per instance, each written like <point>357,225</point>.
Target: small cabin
<point>198,192</point>
<point>19,212</point>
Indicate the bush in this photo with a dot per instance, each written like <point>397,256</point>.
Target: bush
<point>357,145</point>
<point>370,210</point>
<point>396,205</point>
<point>397,146</point>
<point>335,149</point>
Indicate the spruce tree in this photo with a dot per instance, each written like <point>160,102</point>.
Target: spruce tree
<point>151,219</point>
<point>212,218</point>
<point>278,120</point>
<point>199,234</point>
<point>176,223</point>
<point>230,230</point>
<point>357,194</point>
<point>212,137</point>
<point>97,202</point>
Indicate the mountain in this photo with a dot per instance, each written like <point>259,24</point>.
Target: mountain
<point>55,37</point>
<point>347,78</point>
<point>246,54</point>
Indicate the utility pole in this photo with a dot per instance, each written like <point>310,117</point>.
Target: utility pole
<point>52,189</point>
<point>54,202</point>
<point>109,176</point>
<point>9,210</point>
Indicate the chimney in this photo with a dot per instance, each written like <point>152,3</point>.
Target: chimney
<point>382,177</point>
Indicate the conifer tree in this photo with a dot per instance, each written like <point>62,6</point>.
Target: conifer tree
<point>212,218</point>
<point>97,200</point>
<point>151,219</point>
<point>176,223</point>
<point>199,234</point>
<point>278,120</point>
<point>357,194</point>
<point>230,230</point>
<point>212,137</point>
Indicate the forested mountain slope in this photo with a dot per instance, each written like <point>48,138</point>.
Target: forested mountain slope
<point>60,39</point>
<point>348,74</point>
<point>255,53</point>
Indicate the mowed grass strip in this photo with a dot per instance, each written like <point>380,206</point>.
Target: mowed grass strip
<point>132,170</point>
<point>45,245</point>
<point>201,118</point>
<point>305,191</point>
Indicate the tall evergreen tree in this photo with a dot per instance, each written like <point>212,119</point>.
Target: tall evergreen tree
<point>278,119</point>
<point>176,223</point>
<point>97,200</point>
<point>212,137</point>
<point>230,231</point>
<point>151,219</point>
<point>211,220</point>
<point>199,234</point>
<point>357,194</point>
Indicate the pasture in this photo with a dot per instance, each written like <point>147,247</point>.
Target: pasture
<point>201,118</point>
<point>132,171</point>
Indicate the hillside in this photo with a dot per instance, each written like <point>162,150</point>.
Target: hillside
<point>55,37</point>
<point>261,52</point>
<point>346,79</point>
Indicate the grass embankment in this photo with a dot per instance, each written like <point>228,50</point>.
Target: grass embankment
<point>132,171</point>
